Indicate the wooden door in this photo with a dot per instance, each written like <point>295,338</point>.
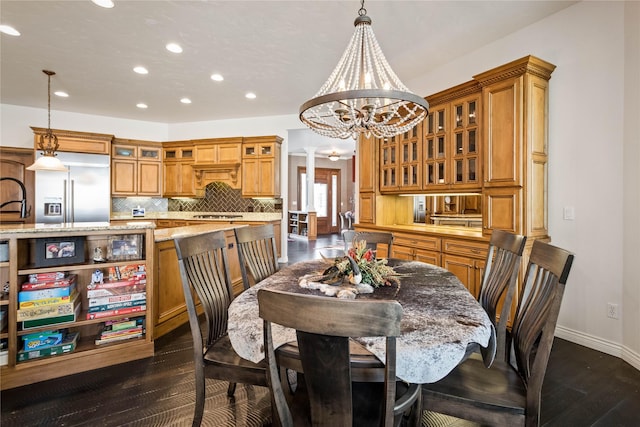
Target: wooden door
<point>327,197</point>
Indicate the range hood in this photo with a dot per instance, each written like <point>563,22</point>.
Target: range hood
<point>205,174</point>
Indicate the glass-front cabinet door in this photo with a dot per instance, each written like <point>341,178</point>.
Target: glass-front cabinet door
<point>466,148</point>
<point>389,164</point>
<point>435,148</point>
<point>410,145</point>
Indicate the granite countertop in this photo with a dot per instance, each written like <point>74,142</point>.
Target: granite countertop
<point>72,227</point>
<point>245,216</point>
<point>164,234</point>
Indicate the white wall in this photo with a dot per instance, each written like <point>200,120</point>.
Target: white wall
<point>15,122</point>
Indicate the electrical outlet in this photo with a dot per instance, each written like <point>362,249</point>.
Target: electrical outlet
<point>612,311</point>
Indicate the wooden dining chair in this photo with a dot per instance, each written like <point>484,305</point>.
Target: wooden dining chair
<point>203,262</point>
<point>325,356</point>
<point>256,251</point>
<point>500,279</point>
<point>373,238</point>
<point>508,394</point>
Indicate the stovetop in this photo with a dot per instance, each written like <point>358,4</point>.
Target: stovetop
<point>217,216</point>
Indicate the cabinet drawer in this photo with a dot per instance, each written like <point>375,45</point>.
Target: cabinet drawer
<point>467,248</point>
<point>418,242</point>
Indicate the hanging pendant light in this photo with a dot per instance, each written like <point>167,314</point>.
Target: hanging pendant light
<point>363,94</point>
<point>48,143</point>
<point>334,157</point>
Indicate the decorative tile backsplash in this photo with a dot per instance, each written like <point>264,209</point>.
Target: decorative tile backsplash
<point>219,197</point>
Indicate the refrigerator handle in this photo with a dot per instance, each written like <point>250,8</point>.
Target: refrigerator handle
<point>64,201</point>
<point>73,199</point>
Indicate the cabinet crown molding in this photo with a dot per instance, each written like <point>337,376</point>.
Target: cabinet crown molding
<point>528,64</point>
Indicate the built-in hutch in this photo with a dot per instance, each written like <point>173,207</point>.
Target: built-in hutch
<point>485,138</point>
<point>303,225</point>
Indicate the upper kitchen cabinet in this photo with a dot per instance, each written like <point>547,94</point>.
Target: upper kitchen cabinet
<point>367,178</point>
<point>217,160</point>
<point>261,166</point>
<point>401,161</point>
<point>136,168</point>
<point>77,142</point>
<point>177,169</point>
<point>452,148</point>
<point>515,133</point>
<point>388,164</point>
<point>17,186</point>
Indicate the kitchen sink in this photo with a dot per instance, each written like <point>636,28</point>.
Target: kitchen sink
<point>216,216</point>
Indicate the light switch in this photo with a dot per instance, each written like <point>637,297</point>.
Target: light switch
<point>569,213</point>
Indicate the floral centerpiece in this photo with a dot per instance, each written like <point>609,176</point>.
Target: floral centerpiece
<point>360,265</point>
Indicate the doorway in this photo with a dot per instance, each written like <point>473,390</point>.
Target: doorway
<point>326,191</point>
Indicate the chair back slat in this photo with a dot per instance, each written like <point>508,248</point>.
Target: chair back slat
<point>535,321</point>
<point>373,238</point>
<point>202,261</point>
<point>256,251</point>
<point>324,350</point>
<point>500,279</point>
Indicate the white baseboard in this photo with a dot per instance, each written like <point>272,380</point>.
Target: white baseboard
<point>599,344</point>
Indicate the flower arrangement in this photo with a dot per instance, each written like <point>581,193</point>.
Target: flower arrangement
<point>375,272</point>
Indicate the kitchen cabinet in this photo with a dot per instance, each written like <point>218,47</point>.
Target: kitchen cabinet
<point>388,163</point>
<point>177,173</point>
<point>416,248</point>
<point>261,166</point>
<point>410,165</point>
<point>23,261</point>
<point>452,139</point>
<point>465,259</point>
<point>217,160</point>
<point>77,142</point>
<point>136,168</point>
<point>367,178</point>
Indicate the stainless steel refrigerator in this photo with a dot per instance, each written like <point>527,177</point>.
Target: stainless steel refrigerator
<point>83,194</point>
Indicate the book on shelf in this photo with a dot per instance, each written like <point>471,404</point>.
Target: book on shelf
<point>47,277</point>
<point>117,305</point>
<point>48,310</point>
<point>45,296</point>
<point>98,301</point>
<point>3,319</point>
<point>127,288</point>
<point>54,320</point>
<point>116,312</point>
<point>42,339</point>
<point>131,271</point>
<point>49,284</point>
<point>120,324</point>
<point>121,337</point>
<point>138,281</point>
<point>67,345</point>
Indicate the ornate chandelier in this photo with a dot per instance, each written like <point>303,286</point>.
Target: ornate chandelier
<point>363,94</point>
<point>48,143</point>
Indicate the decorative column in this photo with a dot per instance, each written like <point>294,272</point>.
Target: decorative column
<point>311,178</point>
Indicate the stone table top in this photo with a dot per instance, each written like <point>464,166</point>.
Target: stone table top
<point>440,320</point>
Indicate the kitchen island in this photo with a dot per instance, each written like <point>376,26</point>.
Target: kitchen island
<point>169,308</point>
<point>31,256</point>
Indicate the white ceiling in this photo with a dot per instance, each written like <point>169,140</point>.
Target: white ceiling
<point>281,50</point>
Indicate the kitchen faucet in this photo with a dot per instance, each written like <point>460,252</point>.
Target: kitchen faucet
<point>23,202</point>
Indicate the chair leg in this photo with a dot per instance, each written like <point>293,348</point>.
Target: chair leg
<point>231,390</point>
<point>199,408</point>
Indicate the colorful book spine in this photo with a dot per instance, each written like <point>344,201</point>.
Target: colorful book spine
<point>118,338</point>
<point>117,305</point>
<point>97,293</point>
<point>42,339</point>
<point>118,325</point>
<point>47,301</point>
<point>53,321</point>
<point>113,334</point>
<point>67,345</point>
<point>49,310</point>
<point>48,284</point>
<point>44,294</point>
<point>127,271</point>
<point>116,312</point>
<point>47,277</point>
<point>118,284</point>
<point>94,302</point>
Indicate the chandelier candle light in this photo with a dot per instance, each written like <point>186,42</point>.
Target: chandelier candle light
<point>363,94</point>
<point>48,142</point>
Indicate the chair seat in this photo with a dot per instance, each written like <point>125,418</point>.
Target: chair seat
<point>228,365</point>
<point>497,387</point>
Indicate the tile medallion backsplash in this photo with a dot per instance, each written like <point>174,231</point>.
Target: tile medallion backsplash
<point>219,197</point>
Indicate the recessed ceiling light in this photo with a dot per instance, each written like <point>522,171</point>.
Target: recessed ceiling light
<point>174,47</point>
<point>140,70</point>
<point>141,105</point>
<point>9,30</point>
<point>185,101</point>
<point>217,77</point>
<point>250,95</point>
<point>104,3</point>
<point>61,94</point>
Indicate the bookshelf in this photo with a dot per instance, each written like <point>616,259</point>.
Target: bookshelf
<point>303,225</point>
<point>25,259</point>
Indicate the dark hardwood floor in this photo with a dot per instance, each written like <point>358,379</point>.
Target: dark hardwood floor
<point>582,387</point>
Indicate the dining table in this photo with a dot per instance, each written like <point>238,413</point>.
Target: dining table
<point>442,323</point>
